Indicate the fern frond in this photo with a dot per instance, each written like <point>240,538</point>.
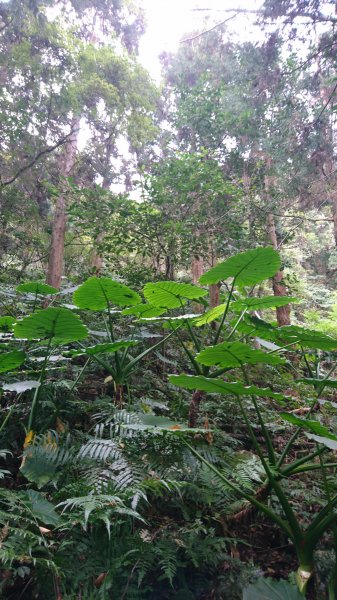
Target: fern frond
<point>100,450</point>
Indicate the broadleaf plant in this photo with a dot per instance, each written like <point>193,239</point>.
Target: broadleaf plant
<point>210,363</point>
<point>56,325</point>
<point>101,293</point>
<point>247,268</point>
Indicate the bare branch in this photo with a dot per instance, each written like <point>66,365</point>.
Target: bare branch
<point>311,57</point>
<point>325,106</point>
<point>37,158</point>
<point>198,35</point>
<point>227,10</point>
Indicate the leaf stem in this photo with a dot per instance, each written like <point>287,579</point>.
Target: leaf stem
<point>217,335</point>
<point>37,390</point>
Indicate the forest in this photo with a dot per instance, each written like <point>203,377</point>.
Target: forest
<point>168,303</point>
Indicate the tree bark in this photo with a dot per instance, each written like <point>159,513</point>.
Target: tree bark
<point>96,257</point>
<point>279,288</point>
<point>169,267</point>
<point>56,255</point>
<point>214,295</point>
<point>197,268</point>
<point>334,214</point>
<point>193,412</point>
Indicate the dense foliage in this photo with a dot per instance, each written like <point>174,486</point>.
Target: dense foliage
<point>168,337</point>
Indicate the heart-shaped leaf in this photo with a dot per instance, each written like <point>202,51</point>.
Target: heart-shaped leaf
<point>59,324</point>
<point>99,293</point>
<point>306,338</point>
<point>269,589</point>
<point>210,315</point>
<point>319,382</point>
<point>6,324</point>
<point>144,310</point>
<point>235,354</point>
<point>34,287</point>
<point>170,294</point>
<point>11,360</point>
<point>247,268</point>
<point>256,327</point>
<point>310,426</point>
<point>262,303</point>
<point>42,509</point>
<point>218,386</point>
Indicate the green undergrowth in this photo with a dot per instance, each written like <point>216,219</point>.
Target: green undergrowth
<point>147,439</point>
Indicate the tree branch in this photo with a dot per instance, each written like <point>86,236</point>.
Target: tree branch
<point>37,158</point>
<point>325,106</point>
<point>228,10</point>
<point>198,35</point>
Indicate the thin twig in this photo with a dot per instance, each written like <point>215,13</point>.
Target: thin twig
<point>36,158</point>
<point>198,35</point>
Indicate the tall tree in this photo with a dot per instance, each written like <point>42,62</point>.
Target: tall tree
<point>235,100</point>
<point>65,68</point>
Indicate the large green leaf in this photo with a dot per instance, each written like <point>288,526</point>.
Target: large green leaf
<point>218,386</point>
<point>261,303</point>
<point>11,360</point>
<point>144,311</point>
<point>42,509</point>
<point>319,382</point>
<point>210,315</point>
<point>306,338</point>
<point>59,324</point>
<point>170,294</point>
<point>34,287</point>
<point>44,458</point>
<point>6,324</point>
<point>235,354</point>
<point>269,589</point>
<point>38,466</point>
<point>310,426</point>
<point>256,327</point>
<point>248,268</point>
<point>99,293</point>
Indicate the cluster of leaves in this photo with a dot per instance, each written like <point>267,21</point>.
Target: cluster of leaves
<point>120,482</point>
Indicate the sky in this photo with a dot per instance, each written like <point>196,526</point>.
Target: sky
<point>168,21</point>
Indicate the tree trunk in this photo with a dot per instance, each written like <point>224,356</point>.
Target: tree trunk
<point>96,257</point>
<point>55,264</point>
<point>214,289</point>
<point>193,412</point>
<point>197,268</point>
<point>279,288</point>
<point>214,295</point>
<point>169,267</point>
<point>334,214</point>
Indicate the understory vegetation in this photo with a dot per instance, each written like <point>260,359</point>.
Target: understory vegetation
<point>139,436</point>
<point>168,333</point>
